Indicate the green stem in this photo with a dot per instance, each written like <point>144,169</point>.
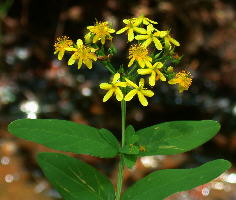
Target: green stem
<point>123,118</point>
<point>109,67</point>
<point>121,163</point>
<point>132,69</point>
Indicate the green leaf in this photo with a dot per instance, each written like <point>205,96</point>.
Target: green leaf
<point>129,160</point>
<point>176,137</point>
<point>110,138</point>
<point>130,136</point>
<point>74,179</point>
<point>66,136</point>
<point>131,140</point>
<point>163,183</point>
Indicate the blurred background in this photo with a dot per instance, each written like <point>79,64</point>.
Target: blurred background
<point>34,84</point>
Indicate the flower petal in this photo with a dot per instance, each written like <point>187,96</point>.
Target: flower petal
<point>119,94</point>
<point>141,37</point>
<point>162,77</point>
<point>157,43</point>
<point>131,83</point>
<point>140,30</point>
<point>158,65</point>
<point>130,95</point>
<point>60,55</point>
<point>71,49</point>
<point>116,78</point>
<point>150,29</point>
<point>108,95</point>
<point>71,61</point>
<point>148,93</point>
<point>167,42</point>
<point>131,62</point>
<point>152,79</point>
<point>144,71</point>
<point>141,63</point>
<point>147,42</point>
<point>95,38</point>
<point>142,99</point>
<point>88,63</point>
<point>80,63</point>
<point>148,64</point>
<point>122,30</point>
<point>121,84</point>
<point>110,30</point>
<point>151,21</point>
<point>126,21</point>
<point>163,33</point>
<point>105,86</point>
<point>130,35</point>
<point>173,81</point>
<point>138,21</point>
<point>175,42</point>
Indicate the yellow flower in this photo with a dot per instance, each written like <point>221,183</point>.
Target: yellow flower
<point>168,40</point>
<point>101,31</point>
<point>84,55</point>
<point>140,54</point>
<point>130,28</point>
<point>140,91</point>
<point>150,37</point>
<point>61,44</point>
<point>155,73</point>
<point>182,78</point>
<point>113,87</point>
<point>143,20</point>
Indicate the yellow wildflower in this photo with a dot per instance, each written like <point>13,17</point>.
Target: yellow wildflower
<point>101,31</point>
<point>113,87</point>
<point>168,40</point>
<point>84,55</point>
<point>61,44</point>
<point>182,78</point>
<point>155,73</point>
<point>143,20</point>
<point>130,27</point>
<point>140,91</point>
<point>150,37</point>
<point>140,54</point>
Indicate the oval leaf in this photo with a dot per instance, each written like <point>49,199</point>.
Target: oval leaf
<point>176,137</point>
<point>163,183</point>
<point>74,179</point>
<point>66,136</point>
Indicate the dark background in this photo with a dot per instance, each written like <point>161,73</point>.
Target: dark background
<point>33,83</point>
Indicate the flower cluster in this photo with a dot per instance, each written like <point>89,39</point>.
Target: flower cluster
<point>151,55</point>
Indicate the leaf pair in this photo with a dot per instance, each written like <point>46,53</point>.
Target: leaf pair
<point>75,180</point>
<point>167,138</point>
